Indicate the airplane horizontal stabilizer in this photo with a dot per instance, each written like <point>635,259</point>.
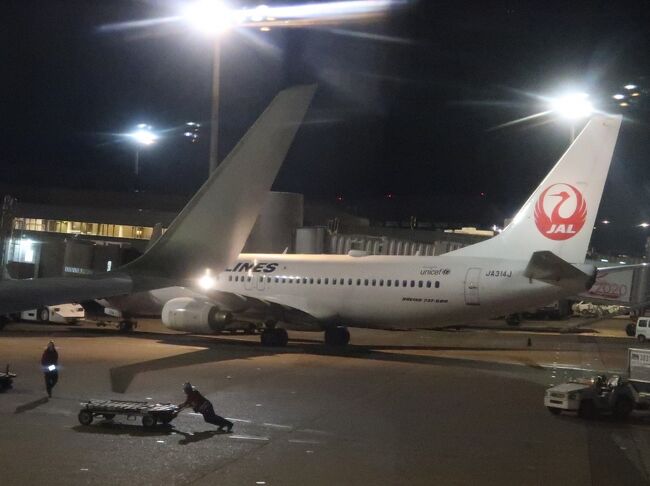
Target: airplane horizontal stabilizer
<point>550,268</point>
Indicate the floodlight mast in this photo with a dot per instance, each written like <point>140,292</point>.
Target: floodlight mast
<point>216,17</point>
<point>142,136</point>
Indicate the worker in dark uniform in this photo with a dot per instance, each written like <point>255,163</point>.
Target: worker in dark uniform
<point>202,405</point>
<point>50,364</point>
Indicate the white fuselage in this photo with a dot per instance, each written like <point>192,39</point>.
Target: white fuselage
<point>385,291</point>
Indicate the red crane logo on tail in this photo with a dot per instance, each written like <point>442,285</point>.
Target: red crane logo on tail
<point>568,213</point>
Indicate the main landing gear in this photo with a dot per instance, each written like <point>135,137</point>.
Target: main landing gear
<point>126,326</point>
<point>274,336</point>
<point>337,336</point>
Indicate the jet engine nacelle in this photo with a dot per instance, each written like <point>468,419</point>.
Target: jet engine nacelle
<point>194,315</point>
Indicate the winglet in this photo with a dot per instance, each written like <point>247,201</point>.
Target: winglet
<point>213,227</point>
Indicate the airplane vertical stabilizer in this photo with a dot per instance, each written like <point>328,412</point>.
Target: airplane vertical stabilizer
<point>559,216</point>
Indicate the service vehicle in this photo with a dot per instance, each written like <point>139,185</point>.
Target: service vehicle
<point>616,395</point>
<point>60,314</point>
<point>642,329</point>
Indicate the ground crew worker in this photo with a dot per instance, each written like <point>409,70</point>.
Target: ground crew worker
<point>202,405</point>
<point>50,364</point>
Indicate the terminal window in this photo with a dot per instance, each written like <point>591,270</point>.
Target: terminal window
<point>84,228</point>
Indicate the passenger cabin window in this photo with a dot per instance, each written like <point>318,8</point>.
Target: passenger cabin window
<point>404,283</point>
<point>396,283</point>
<point>318,281</point>
<point>229,278</point>
<point>420,283</point>
<point>333,281</point>
<point>349,281</point>
<point>365,282</point>
<point>412,283</point>
<point>374,282</point>
<point>342,281</point>
<point>428,284</point>
<point>388,283</point>
<point>358,281</point>
<point>327,281</point>
<point>311,280</point>
<point>381,282</point>
<point>437,284</point>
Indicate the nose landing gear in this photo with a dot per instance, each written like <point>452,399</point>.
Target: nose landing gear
<point>337,336</point>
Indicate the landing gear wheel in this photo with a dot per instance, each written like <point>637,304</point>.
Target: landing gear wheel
<point>641,338</point>
<point>337,336</point>
<point>44,314</point>
<point>85,417</point>
<point>148,421</point>
<point>623,407</point>
<point>587,410</point>
<point>125,326</point>
<point>277,337</point>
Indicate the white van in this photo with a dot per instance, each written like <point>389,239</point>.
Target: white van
<point>643,328</point>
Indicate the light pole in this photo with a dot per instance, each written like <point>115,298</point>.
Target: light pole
<point>143,136</point>
<point>572,107</point>
<point>213,18</point>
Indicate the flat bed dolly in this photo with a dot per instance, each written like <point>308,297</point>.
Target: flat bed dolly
<point>151,413</point>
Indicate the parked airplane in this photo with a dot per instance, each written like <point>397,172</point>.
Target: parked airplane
<point>199,237</point>
<point>538,258</point>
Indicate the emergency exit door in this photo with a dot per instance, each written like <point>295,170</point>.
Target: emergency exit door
<point>472,280</point>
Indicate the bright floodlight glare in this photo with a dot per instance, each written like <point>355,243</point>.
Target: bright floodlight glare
<point>644,225</point>
<point>143,135</point>
<point>212,16</point>
<point>207,281</point>
<point>630,86</point>
<point>573,106</point>
<point>618,96</point>
<point>259,13</point>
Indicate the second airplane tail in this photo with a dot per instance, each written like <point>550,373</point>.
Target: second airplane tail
<point>559,216</point>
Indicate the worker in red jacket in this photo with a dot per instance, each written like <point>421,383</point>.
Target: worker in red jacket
<point>202,405</point>
<point>50,364</point>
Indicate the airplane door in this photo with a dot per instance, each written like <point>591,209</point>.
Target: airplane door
<point>471,286</point>
<point>261,282</point>
<point>249,282</point>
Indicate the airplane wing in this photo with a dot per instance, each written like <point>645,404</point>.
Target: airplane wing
<point>208,233</point>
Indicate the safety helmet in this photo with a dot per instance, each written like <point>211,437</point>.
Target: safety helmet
<point>187,387</point>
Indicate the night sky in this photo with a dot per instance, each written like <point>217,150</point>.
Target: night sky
<point>407,106</point>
